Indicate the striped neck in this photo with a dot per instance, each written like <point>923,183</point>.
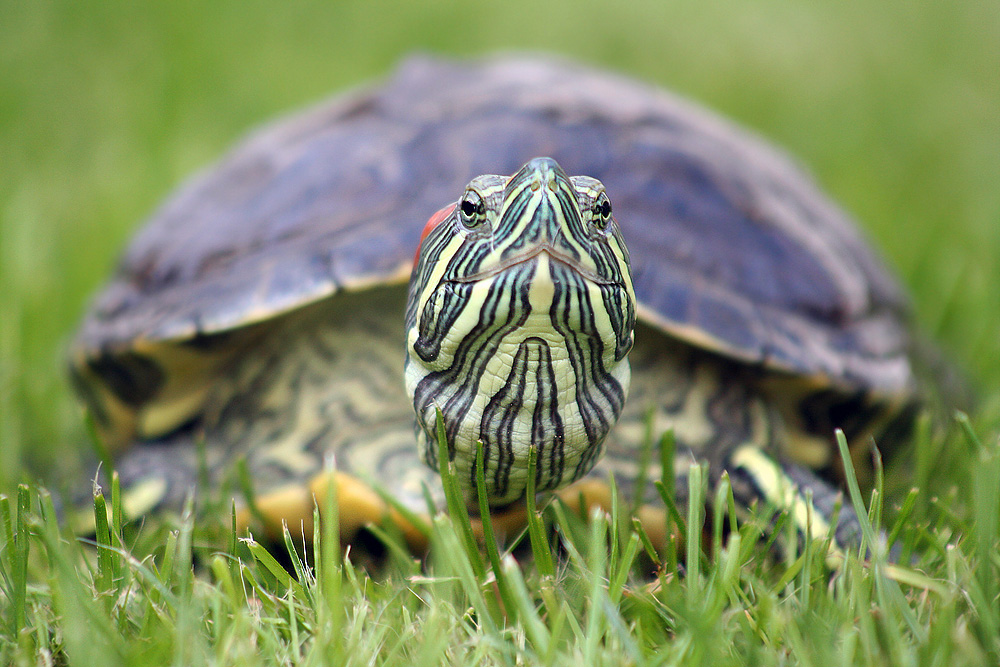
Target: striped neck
<point>519,320</point>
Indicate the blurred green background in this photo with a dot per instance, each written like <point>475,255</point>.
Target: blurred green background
<point>106,106</point>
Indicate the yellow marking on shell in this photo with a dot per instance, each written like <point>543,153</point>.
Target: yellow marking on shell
<point>400,274</point>
<point>291,505</point>
<point>782,492</point>
<point>190,375</point>
<point>654,521</point>
<point>119,429</point>
<point>358,506</point>
<point>591,493</point>
<point>164,415</point>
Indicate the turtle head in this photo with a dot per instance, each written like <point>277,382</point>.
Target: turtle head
<point>519,321</point>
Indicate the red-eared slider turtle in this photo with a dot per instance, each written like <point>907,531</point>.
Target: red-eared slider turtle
<point>262,313</point>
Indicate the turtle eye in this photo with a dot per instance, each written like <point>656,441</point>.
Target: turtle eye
<point>601,211</point>
<point>472,209</point>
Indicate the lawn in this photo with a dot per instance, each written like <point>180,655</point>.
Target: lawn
<point>107,106</point>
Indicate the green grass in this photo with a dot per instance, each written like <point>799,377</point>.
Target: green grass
<point>106,106</point>
<point>610,600</point>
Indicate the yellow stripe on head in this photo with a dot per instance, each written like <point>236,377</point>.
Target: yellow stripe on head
<point>520,317</point>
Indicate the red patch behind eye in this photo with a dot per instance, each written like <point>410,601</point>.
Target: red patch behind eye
<point>433,222</point>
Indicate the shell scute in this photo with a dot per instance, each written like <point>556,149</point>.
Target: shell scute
<point>733,248</point>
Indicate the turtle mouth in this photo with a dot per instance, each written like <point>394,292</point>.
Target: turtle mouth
<point>553,254</point>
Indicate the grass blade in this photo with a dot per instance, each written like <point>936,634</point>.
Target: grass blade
<point>696,511</point>
<point>489,537</point>
<point>456,501</point>
<point>540,547</point>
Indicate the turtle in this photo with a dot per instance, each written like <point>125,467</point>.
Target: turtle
<point>266,311</point>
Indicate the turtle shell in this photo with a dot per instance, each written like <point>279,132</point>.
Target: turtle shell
<point>733,247</point>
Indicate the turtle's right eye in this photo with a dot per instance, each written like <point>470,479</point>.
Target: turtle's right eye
<point>472,209</point>
<point>601,212</point>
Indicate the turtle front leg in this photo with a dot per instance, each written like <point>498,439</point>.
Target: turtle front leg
<point>812,503</point>
<point>756,478</point>
<point>720,418</point>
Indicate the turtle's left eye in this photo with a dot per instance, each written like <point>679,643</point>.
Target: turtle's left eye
<point>472,209</point>
<point>601,211</point>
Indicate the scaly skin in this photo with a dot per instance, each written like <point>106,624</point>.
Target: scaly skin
<point>519,323</point>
